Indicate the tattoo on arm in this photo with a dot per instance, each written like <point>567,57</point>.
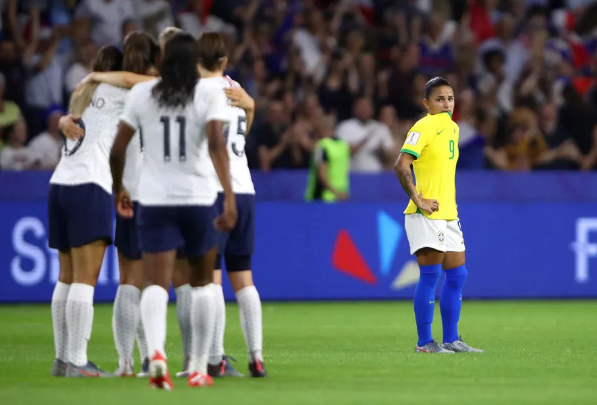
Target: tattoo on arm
<point>406,180</point>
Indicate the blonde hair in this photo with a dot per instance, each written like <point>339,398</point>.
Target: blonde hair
<point>108,58</point>
<point>167,34</point>
<point>81,98</point>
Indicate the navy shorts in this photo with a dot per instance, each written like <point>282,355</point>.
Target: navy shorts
<point>163,228</point>
<point>126,237</point>
<point>241,240</point>
<point>78,215</point>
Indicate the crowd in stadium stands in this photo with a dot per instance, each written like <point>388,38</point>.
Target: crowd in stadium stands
<point>523,72</point>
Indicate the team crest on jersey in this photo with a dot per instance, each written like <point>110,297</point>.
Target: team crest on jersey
<point>441,237</point>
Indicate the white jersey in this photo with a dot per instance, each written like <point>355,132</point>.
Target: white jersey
<point>87,159</point>
<point>132,168</point>
<point>176,168</point>
<point>235,133</point>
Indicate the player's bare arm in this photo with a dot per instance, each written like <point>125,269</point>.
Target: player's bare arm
<point>122,199</point>
<point>402,168</point>
<point>70,128</point>
<point>219,156</point>
<point>240,98</point>
<point>119,79</point>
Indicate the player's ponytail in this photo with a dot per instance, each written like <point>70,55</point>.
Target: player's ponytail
<point>108,59</point>
<point>178,72</point>
<point>141,52</point>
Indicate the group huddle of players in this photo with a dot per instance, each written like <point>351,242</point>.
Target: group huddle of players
<point>169,154</point>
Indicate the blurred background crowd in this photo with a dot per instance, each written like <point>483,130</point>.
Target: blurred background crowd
<point>523,72</point>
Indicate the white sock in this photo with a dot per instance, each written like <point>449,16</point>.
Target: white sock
<point>59,319</point>
<point>79,321</point>
<point>216,350</point>
<point>141,341</point>
<point>154,310</point>
<point>125,321</point>
<point>184,303</point>
<point>203,319</point>
<point>249,306</point>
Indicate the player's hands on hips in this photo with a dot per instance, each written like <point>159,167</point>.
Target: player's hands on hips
<point>240,98</point>
<point>427,205</point>
<point>69,127</point>
<point>227,220</point>
<point>124,204</point>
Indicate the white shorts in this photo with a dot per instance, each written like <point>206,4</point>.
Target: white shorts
<point>438,234</point>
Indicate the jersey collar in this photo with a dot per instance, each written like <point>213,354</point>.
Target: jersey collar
<point>444,112</point>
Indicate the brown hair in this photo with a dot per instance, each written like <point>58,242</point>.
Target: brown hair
<point>140,52</point>
<point>212,51</point>
<point>108,59</point>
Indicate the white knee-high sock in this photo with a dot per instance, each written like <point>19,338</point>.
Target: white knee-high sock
<point>249,306</point>
<point>154,306</point>
<point>184,303</point>
<point>125,321</point>
<point>203,319</point>
<point>216,350</point>
<point>79,321</point>
<point>59,299</point>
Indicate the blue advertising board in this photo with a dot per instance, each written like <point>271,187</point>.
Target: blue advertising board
<point>355,250</point>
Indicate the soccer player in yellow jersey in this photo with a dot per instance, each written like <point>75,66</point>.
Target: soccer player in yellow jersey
<point>431,221</point>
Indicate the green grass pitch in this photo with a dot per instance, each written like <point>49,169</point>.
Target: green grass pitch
<point>336,353</point>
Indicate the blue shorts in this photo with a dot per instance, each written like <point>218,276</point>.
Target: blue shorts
<point>78,215</point>
<point>126,237</point>
<point>239,242</point>
<point>164,228</point>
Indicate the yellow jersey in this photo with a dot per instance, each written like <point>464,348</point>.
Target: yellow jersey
<point>433,141</point>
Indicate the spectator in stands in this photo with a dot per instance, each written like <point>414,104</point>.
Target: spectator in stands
<point>336,91</point>
<point>562,152</point>
<point>105,19</point>
<point>11,66</point>
<point>311,39</point>
<point>9,110</point>
<point>371,140</point>
<point>398,128</point>
<point>15,155</point>
<point>154,15</point>
<point>330,166</point>
<point>474,152</point>
<point>44,86</point>
<point>129,25</point>
<point>435,47</point>
<point>198,20</point>
<point>516,55</point>
<point>47,146</point>
<point>526,143</point>
<point>85,53</point>
<point>275,139</point>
